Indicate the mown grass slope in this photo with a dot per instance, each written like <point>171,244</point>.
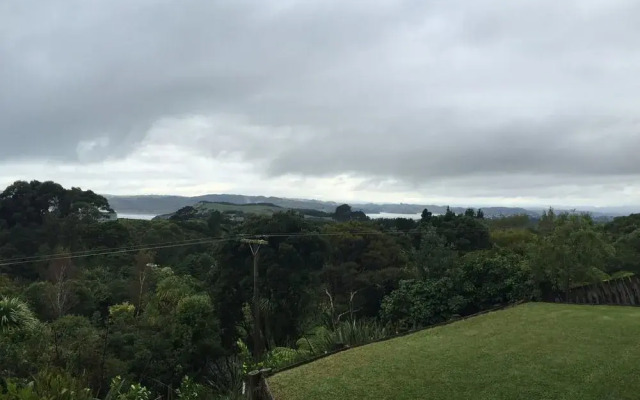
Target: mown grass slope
<point>532,351</point>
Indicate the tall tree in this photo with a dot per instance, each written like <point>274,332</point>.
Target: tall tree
<point>144,266</point>
<point>464,233</point>
<point>60,273</point>
<point>342,213</point>
<point>426,216</point>
<point>573,252</point>
<point>28,203</point>
<point>370,264</point>
<point>547,222</point>
<point>434,257</point>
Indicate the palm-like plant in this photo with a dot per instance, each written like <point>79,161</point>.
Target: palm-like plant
<point>15,315</point>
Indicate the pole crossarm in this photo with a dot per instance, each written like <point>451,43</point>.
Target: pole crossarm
<point>254,244</point>
<point>254,241</point>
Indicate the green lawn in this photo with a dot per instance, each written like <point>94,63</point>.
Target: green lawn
<point>533,351</point>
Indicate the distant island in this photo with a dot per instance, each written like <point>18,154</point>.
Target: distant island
<point>161,205</point>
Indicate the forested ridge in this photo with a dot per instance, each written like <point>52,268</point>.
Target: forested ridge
<point>132,309</point>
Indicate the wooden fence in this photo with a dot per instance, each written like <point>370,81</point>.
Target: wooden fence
<point>622,291</point>
<point>257,387</point>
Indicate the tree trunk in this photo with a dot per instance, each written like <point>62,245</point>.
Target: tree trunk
<point>257,342</point>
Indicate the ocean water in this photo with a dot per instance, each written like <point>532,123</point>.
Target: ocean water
<point>394,215</point>
<point>136,216</point>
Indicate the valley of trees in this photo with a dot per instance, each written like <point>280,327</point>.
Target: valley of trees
<point>133,309</point>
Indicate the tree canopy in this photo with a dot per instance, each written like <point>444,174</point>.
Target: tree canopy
<point>166,305</point>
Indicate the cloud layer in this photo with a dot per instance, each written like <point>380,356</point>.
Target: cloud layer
<point>465,102</point>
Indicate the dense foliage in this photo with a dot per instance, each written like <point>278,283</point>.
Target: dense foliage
<point>135,309</point>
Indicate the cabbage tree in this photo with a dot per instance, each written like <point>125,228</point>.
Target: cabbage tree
<point>15,315</point>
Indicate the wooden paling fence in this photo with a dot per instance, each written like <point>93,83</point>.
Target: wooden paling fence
<point>622,291</point>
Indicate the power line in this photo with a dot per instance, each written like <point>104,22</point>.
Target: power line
<point>296,234</point>
<point>88,252</point>
<point>105,253</point>
<point>190,242</point>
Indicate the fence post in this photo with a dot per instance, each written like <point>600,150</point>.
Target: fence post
<point>253,382</point>
<point>265,392</point>
<point>634,288</point>
<point>264,372</point>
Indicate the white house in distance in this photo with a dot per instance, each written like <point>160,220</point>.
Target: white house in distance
<point>108,215</point>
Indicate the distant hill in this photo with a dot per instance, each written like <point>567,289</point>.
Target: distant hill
<point>204,208</point>
<point>251,208</point>
<point>160,204</point>
<point>154,204</point>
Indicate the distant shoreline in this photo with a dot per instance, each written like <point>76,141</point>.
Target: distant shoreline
<point>147,217</point>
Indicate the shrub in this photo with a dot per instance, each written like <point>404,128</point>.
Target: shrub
<point>421,302</point>
<point>47,385</point>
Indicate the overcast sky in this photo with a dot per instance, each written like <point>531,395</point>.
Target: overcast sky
<point>451,102</point>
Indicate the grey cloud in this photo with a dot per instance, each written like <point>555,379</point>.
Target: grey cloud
<point>562,146</point>
<point>405,90</point>
<point>82,70</point>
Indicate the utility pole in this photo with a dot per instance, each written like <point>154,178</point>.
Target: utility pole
<point>254,245</point>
